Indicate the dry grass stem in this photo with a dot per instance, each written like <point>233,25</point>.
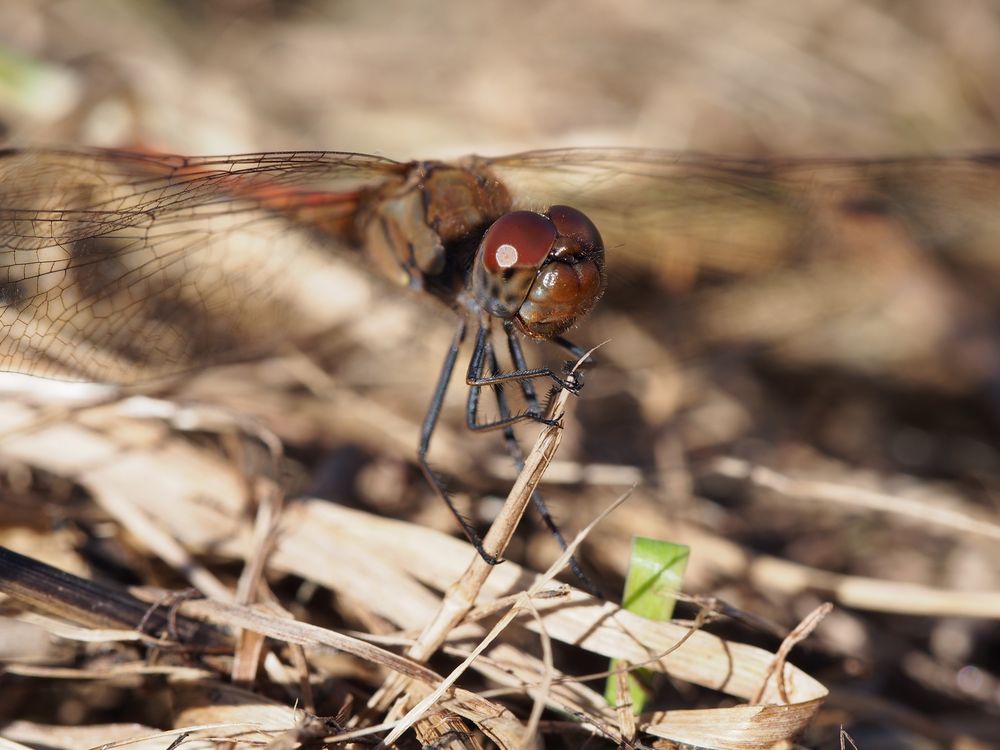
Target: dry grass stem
<point>922,512</point>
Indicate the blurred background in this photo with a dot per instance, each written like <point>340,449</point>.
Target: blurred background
<point>758,78</point>
<point>441,79</point>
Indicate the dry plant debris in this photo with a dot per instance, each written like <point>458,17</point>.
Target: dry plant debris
<point>406,577</point>
<point>857,464</point>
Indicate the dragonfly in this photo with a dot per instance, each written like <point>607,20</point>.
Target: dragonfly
<point>126,267</point>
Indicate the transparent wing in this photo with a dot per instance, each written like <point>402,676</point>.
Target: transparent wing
<point>881,265</point>
<point>125,267</point>
<point>743,215</point>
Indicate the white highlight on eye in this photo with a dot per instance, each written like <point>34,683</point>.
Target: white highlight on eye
<point>506,255</point>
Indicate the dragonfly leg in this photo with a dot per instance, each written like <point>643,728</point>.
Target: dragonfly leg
<point>427,430</point>
<point>514,450</point>
<point>517,357</point>
<point>506,419</point>
<point>578,352</point>
<point>475,379</point>
<point>571,384</point>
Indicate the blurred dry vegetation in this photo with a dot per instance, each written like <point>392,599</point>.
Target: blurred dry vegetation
<point>805,456</point>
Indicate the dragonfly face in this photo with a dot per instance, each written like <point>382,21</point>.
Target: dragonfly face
<point>543,271</point>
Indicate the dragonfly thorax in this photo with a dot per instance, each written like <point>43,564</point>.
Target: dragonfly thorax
<point>423,232</point>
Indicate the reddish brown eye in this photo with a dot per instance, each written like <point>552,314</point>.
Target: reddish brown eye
<point>575,225</point>
<point>520,239</point>
<point>570,284</point>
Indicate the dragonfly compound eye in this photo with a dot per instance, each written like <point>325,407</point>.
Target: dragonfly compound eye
<point>544,271</point>
<point>510,255</point>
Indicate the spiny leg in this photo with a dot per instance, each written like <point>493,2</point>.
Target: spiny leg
<point>475,379</point>
<point>427,430</point>
<point>517,357</point>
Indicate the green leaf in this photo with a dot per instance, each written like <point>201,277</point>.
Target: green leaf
<point>655,573</point>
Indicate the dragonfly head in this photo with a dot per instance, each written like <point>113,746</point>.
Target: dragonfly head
<point>544,271</point>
